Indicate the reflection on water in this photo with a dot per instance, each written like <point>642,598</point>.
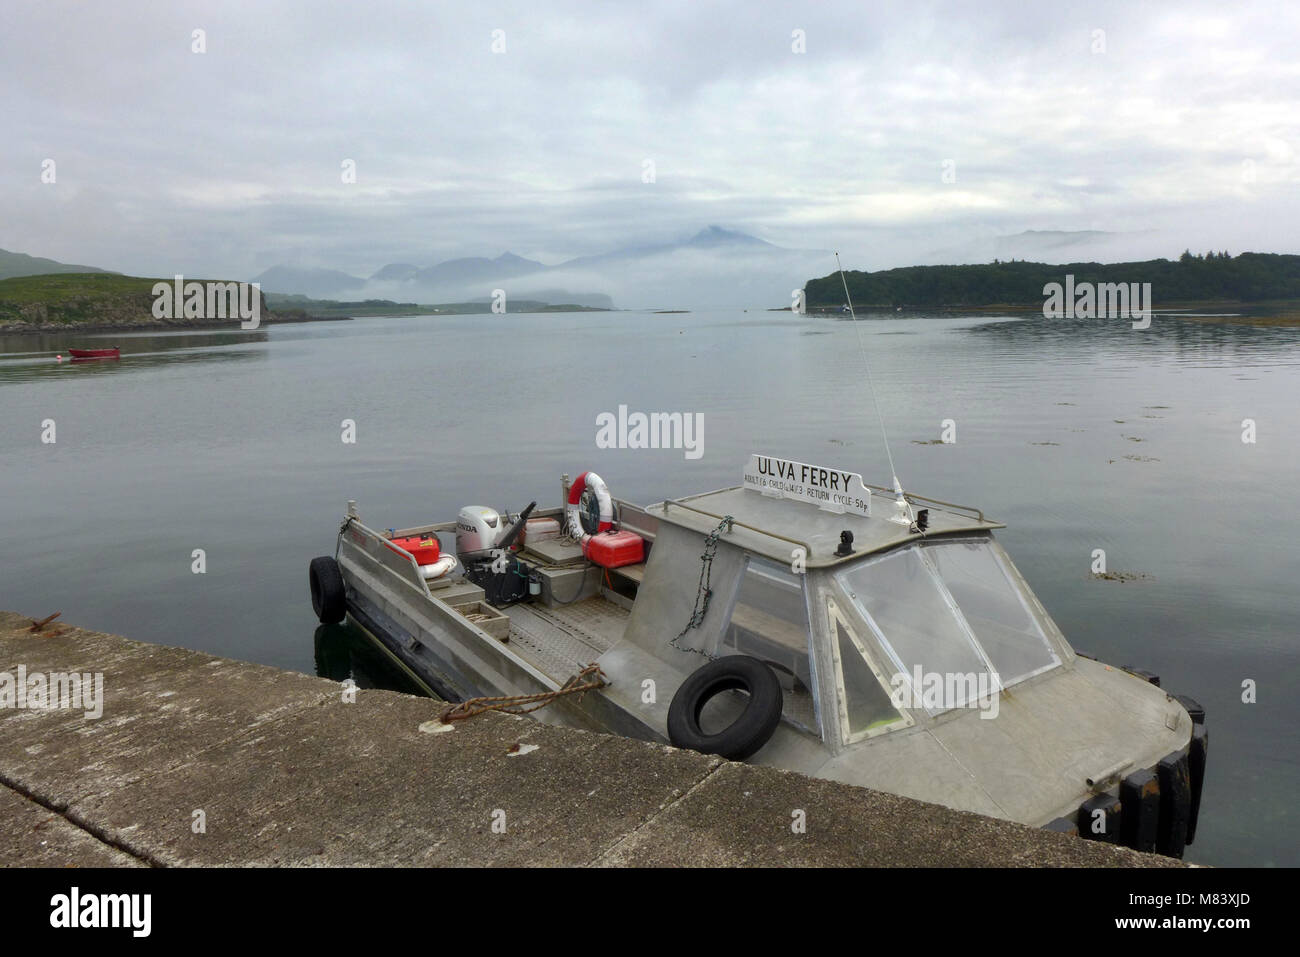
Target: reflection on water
<point>34,356</point>
<point>344,652</point>
<point>1163,337</point>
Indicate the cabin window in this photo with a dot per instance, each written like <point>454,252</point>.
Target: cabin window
<point>769,621</point>
<point>902,600</point>
<point>995,608</point>
<point>950,609</point>
<point>863,696</point>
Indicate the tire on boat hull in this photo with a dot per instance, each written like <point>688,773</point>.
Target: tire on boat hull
<point>747,733</point>
<point>328,598</point>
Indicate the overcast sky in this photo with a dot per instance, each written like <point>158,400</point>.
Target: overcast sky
<point>1183,131</point>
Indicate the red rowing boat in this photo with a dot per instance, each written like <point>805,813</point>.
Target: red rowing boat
<point>95,353</point>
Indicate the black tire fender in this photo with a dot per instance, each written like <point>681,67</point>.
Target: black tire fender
<point>328,597</point>
<point>747,733</point>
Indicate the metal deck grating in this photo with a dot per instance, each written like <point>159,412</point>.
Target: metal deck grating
<point>562,641</point>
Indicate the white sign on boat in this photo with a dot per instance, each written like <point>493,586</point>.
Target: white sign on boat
<point>832,489</point>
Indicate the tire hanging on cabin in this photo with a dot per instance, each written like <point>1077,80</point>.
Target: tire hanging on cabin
<point>747,733</point>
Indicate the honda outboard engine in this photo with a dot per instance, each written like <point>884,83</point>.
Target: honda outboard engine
<point>478,528</point>
<point>484,547</point>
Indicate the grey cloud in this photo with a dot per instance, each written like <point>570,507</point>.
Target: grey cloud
<point>229,162</point>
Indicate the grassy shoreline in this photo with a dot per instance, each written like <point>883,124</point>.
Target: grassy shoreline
<point>96,302</point>
<point>109,302</point>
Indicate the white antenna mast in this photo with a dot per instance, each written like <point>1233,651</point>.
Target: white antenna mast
<point>904,516</point>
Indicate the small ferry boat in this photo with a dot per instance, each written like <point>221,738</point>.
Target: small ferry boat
<point>113,353</point>
<point>801,619</point>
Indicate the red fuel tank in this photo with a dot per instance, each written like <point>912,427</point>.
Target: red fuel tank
<point>615,549</point>
<point>423,547</point>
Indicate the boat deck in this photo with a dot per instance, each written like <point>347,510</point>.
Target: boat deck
<point>563,640</point>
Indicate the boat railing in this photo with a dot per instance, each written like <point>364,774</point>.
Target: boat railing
<point>752,528</point>
<point>913,497</point>
<point>968,509</point>
<point>383,552</point>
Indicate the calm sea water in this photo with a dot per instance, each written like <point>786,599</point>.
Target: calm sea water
<point>1080,435</point>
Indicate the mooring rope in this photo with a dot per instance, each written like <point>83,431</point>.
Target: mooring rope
<point>505,703</point>
<point>40,625</point>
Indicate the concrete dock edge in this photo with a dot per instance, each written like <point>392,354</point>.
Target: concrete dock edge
<point>205,761</point>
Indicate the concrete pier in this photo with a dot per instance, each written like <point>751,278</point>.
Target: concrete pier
<point>200,761</point>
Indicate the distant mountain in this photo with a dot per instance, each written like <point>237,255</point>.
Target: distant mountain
<point>717,236</point>
<point>505,266</point>
<point>472,269</point>
<point>715,266</point>
<point>711,238</point>
<point>398,272</point>
<point>511,261</point>
<point>315,283</point>
<point>21,264</point>
<point>479,269</point>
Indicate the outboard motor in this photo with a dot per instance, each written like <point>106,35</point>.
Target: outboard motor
<point>484,548</point>
<point>478,529</point>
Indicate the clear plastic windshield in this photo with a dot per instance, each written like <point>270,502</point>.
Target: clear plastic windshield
<point>769,621</point>
<point>951,608</point>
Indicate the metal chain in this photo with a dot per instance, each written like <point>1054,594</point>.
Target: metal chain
<point>705,591</point>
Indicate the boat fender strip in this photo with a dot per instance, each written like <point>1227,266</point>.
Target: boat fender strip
<point>1175,803</point>
<point>1193,709</point>
<point>1139,794</point>
<point>1148,676</point>
<point>1196,754</point>
<point>1104,828</point>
